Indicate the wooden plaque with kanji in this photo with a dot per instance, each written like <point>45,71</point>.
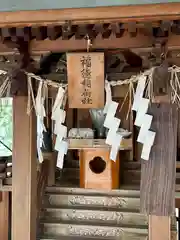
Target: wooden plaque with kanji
<point>85,80</point>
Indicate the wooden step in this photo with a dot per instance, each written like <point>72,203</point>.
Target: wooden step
<point>130,176</point>
<point>131,165</point>
<point>133,177</point>
<point>137,165</point>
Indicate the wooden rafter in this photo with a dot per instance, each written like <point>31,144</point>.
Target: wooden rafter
<point>69,37</point>
<point>68,29</point>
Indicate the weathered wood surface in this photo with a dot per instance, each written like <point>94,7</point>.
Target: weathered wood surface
<point>51,158</point>
<point>42,182</point>
<point>24,178</point>
<point>159,173</point>
<point>85,80</point>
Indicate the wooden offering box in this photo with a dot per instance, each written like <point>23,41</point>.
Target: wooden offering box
<point>97,171</point>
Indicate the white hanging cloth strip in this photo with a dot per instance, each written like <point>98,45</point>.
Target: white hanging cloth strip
<point>112,123</point>
<point>59,115</point>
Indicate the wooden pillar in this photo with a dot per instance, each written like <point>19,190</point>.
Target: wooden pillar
<point>158,175</point>
<point>24,159</point>
<point>4,215</point>
<point>24,178</point>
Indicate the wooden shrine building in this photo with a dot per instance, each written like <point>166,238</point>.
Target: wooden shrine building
<point>40,41</point>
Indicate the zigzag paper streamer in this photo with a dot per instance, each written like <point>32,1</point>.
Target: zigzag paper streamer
<point>112,123</point>
<point>59,115</point>
<point>143,120</point>
<point>40,113</point>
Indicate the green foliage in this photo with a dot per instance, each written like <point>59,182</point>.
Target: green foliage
<point>6,126</point>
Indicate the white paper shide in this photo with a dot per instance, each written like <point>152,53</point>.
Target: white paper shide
<point>59,115</point>
<point>40,113</point>
<point>143,120</point>
<point>112,123</point>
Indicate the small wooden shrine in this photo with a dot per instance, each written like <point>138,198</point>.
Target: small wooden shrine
<point>99,83</point>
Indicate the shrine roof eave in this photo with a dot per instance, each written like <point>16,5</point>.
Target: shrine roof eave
<point>23,13</point>
<point>20,5</point>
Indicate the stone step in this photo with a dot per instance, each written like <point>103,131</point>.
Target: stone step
<point>56,230</point>
<point>91,192</point>
<point>92,201</point>
<point>74,238</point>
<point>124,237</point>
<point>97,216</point>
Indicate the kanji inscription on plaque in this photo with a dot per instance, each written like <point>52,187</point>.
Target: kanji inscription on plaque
<point>85,80</point>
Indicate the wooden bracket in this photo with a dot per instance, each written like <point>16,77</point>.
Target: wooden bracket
<point>19,85</point>
<point>161,84</point>
<point>19,77</point>
<point>161,77</point>
<point>159,52</point>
